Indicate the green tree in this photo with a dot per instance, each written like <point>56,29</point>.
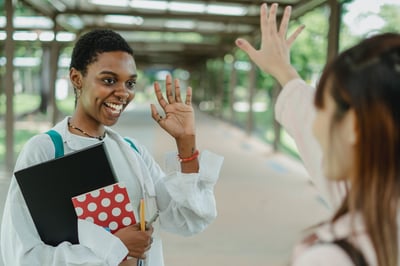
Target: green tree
<point>309,50</point>
<point>390,14</point>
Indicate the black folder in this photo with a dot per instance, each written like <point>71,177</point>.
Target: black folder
<point>49,186</point>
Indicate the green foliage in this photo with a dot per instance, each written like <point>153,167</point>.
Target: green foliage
<point>309,50</point>
<point>390,14</point>
<point>67,106</point>
<point>23,103</point>
<point>20,138</point>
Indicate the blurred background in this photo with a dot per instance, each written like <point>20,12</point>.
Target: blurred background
<point>193,41</point>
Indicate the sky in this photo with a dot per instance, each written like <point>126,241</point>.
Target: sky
<point>360,26</point>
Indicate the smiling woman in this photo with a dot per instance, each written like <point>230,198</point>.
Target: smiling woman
<point>104,90</point>
<point>103,73</point>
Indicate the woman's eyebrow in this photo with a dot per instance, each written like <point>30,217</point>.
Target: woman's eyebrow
<point>107,72</point>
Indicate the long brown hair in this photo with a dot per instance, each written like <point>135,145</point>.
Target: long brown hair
<point>366,79</point>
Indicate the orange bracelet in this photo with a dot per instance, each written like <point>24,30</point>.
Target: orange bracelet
<point>188,159</point>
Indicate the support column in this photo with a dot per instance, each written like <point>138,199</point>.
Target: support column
<point>252,89</point>
<point>220,88</point>
<point>232,86</point>
<point>334,28</point>
<point>54,55</point>
<point>9,86</point>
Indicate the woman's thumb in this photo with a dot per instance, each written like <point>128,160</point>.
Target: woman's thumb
<point>246,47</point>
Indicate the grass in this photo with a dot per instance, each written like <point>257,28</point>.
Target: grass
<point>23,103</point>
<point>26,103</point>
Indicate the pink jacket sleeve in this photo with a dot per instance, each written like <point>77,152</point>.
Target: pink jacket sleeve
<point>295,111</point>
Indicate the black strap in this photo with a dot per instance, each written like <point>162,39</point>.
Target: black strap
<point>354,254</point>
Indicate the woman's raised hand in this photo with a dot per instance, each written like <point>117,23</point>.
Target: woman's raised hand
<point>178,120</point>
<point>273,57</point>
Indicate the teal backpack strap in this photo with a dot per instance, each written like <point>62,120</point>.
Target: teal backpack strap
<point>132,145</point>
<point>57,141</point>
<point>59,146</point>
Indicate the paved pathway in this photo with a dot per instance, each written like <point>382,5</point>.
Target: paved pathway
<point>264,199</point>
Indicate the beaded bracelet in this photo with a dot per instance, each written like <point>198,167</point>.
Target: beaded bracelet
<point>188,159</point>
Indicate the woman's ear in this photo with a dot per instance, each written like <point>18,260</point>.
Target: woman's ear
<point>349,127</point>
<point>76,78</point>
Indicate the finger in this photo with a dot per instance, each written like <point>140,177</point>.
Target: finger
<point>263,19</point>
<point>177,91</point>
<point>168,85</point>
<point>271,20</point>
<point>188,99</point>
<point>294,35</point>
<point>159,95</point>
<point>155,114</point>
<point>137,254</point>
<point>247,48</point>
<point>285,22</point>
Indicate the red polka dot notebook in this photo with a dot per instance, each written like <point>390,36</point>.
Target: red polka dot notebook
<point>108,207</point>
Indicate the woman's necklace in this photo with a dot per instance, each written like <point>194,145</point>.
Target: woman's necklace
<point>84,132</point>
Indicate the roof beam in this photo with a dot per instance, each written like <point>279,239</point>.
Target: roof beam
<point>305,6</point>
<point>248,19</point>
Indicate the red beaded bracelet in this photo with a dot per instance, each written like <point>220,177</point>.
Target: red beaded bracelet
<point>188,159</point>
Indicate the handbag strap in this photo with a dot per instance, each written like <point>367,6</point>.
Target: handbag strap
<point>59,145</point>
<point>354,254</point>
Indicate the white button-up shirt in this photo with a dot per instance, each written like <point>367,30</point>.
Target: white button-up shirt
<point>186,203</point>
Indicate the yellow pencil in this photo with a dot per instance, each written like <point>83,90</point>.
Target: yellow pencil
<point>142,217</point>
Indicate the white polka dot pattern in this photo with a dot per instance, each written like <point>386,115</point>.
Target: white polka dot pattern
<point>95,193</point>
<point>92,207</point>
<point>79,211</point>
<point>105,202</point>
<point>108,207</point>
<point>119,197</point>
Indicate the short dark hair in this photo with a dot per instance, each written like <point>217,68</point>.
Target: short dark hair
<point>93,43</point>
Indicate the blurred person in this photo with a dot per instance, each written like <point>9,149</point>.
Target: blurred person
<point>347,131</point>
<point>103,74</point>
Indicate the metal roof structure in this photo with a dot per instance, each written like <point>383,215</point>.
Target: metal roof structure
<point>180,33</point>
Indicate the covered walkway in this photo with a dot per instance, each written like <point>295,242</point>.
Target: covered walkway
<point>264,198</point>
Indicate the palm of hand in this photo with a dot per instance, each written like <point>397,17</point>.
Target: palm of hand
<point>179,120</point>
<point>179,115</point>
<point>273,57</point>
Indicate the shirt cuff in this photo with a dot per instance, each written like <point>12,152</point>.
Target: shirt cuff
<point>192,190</point>
<point>102,243</point>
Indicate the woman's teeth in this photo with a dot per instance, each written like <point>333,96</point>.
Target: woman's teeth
<point>115,107</point>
